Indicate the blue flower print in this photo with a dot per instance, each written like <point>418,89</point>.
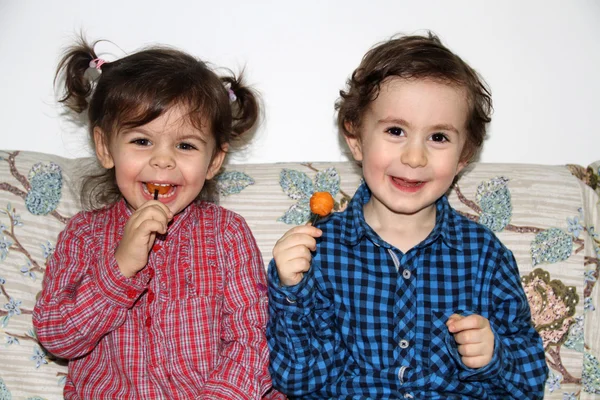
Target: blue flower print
<point>13,307</point>
<point>553,382</point>
<point>10,340</point>
<point>5,244</point>
<point>39,356</point>
<point>494,199</point>
<point>551,246</point>
<point>298,186</point>
<point>574,226</point>
<point>46,188</point>
<point>48,249</point>
<point>232,182</point>
<point>590,378</point>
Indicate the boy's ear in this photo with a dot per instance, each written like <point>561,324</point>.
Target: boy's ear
<point>102,151</point>
<point>353,140</point>
<point>217,161</point>
<point>355,146</point>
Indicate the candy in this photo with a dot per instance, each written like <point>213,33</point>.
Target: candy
<point>321,205</point>
<point>162,189</point>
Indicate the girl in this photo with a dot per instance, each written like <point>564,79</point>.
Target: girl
<point>157,294</point>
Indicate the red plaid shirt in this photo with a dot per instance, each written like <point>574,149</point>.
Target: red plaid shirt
<point>189,325</point>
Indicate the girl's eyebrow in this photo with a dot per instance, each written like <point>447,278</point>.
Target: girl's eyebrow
<point>400,121</point>
<point>191,136</point>
<point>136,130</point>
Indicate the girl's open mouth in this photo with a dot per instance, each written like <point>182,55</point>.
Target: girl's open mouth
<point>165,190</point>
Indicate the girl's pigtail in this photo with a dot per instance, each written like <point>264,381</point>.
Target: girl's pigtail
<point>244,105</point>
<point>73,67</point>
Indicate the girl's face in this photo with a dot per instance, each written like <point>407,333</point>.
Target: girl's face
<point>168,154</point>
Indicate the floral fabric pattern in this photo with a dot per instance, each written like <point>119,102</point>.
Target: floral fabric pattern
<point>548,216</point>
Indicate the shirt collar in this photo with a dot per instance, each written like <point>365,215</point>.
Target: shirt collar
<point>355,227</point>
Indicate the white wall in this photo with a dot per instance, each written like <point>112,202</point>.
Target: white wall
<point>541,59</point>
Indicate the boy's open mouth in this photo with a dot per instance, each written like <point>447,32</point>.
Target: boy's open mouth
<point>164,189</point>
<point>407,183</point>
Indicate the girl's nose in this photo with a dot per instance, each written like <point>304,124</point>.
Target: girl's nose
<point>162,158</point>
<point>414,155</point>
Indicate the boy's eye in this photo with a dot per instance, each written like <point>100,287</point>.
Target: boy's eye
<point>186,146</point>
<point>439,137</point>
<point>395,131</point>
<point>141,142</point>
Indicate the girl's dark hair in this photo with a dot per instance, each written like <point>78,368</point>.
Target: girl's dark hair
<point>415,57</point>
<point>142,86</point>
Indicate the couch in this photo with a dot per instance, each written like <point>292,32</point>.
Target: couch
<point>546,214</point>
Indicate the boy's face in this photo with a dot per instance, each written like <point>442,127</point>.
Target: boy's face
<point>410,144</point>
<point>168,154</point>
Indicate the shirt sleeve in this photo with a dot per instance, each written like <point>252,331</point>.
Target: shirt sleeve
<point>242,369</point>
<point>84,296</point>
<point>301,335</point>
<point>518,368</point>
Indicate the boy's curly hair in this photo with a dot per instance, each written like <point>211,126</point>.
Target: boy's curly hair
<point>415,57</point>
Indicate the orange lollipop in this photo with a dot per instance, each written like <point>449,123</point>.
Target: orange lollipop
<point>321,205</point>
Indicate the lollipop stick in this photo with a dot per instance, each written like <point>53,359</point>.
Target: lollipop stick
<point>313,219</point>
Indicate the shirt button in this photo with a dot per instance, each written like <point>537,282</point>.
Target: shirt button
<point>291,301</point>
<point>150,273</point>
<point>150,296</point>
<point>131,293</point>
<point>156,247</point>
<point>403,344</point>
<point>406,274</point>
<point>408,396</point>
<point>148,322</point>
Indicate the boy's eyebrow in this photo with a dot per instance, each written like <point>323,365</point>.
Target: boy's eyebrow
<point>400,121</point>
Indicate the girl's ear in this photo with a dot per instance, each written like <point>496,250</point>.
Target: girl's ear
<point>217,161</point>
<point>461,165</point>
<point>102,152</point>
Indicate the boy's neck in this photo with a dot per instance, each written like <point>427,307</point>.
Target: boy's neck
<point>400,230</point>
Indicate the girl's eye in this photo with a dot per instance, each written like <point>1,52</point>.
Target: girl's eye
<point>186,146</point>
<point>141,142</point>
<point>395,131</point>
<point>439,137</point>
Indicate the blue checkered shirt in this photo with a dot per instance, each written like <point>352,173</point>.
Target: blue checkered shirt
<point>368,322</point>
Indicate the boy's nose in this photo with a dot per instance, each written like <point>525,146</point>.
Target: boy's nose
<point>414,155</point>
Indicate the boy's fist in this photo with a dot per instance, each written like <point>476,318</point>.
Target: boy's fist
<point>474,338</point>
<point>292,253</point>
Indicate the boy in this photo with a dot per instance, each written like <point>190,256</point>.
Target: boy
<point>403,297</point>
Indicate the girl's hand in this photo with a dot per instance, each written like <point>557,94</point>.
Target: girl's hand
<point>140,231</point>
<point>474,338</point>
<point>292,253</point>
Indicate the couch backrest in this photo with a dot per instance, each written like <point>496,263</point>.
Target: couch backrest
<point>547,215</point>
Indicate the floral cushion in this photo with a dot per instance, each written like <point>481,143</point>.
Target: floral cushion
<point>545,214</point>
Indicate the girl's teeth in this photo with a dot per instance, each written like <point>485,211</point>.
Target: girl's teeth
<point>162,189</point>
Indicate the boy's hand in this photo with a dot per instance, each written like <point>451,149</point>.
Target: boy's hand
<point>292,253</point>
<point>474,338</point>
<point>140,231</point>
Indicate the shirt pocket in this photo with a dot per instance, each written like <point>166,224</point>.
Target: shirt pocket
<point>440,358</point>
<point>196,353</point>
